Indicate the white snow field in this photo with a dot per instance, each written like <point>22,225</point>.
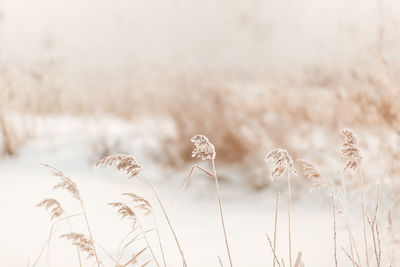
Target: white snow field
<point>64,142</point>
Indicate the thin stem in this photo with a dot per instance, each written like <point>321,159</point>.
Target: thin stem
<point>334,226</point>
<point>134,258</point>
<point>273,250</point>
<point>289,211</point>
<point>90,232</point>
<point>346,219</point>
<point>117,251</point>
<point>275,225</point>
<point>220,261</point>
<point>375,230</point>
<point>159,240</point>
<point>363,215</point>
<point>166,217</point>
<point>147,242</point>
<point>47,243</point>
<point>220,211</point>
<point>77,249</point>
<point>134,239</point>
<point>347,254</point>
<point>189,176</point>
<point>108,254</point>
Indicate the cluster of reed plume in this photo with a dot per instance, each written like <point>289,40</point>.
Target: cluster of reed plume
<point>134,208</point>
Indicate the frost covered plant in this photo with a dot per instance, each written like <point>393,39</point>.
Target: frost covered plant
<point>350,150</point>
<point>203,148</point>
<point>283,162</point>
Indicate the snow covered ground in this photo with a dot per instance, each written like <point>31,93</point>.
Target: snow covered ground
<point>67,143</point>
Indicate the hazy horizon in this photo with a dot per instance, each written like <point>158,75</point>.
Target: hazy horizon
<point>108,38</point>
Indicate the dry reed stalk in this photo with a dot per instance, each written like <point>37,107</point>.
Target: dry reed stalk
<point>346,220</point>
<point>283,162</point>
<point>350,257</point>
<point>221,213</point>
<point>334,226</point>
<point>133,259</point>
<point>275,225</point>
<point>107,253</point>
<point>273,251</point>
<point>351,152</point>
<point>47,243</point>
<point>220,261</point>
<point>190,176</point>
<point>55,212</point>
<point>373,223</point>
<point>128,164</point>
<point>167,218</point>
<point>67,184</point>
<point>134,239</point>
<point>204,150</point>
<point>148,209</point>
<point>127,212</point>
<point>159,240</point>
<point>364,215</point>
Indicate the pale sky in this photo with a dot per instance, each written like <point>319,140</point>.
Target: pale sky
<point>121,36</point>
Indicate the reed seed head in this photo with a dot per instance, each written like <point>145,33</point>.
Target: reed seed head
<point>283,162</point>
<point>81,242</point>
<point>140,203</point>
<point>311,174</point>
<point>350,150</point>
<point>122,162</point>
<point>65,183</point>
<point>203,148</point>
<point>53,205</point>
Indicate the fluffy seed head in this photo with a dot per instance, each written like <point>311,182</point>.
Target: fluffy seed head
<point>282,162</point>
<point>140,203</point>
<point>312,174</point>
<point>53,205</point>
<point>203,148</point>
<point>65,183</point>
<point>124,210</point>
<point>350,150</point>
<point>122,162</point>
<point>81,242</point>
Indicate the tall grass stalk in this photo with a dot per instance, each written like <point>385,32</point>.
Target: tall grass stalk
<point>221,213</point>
<point>167,218</point>
<point>275,225</point>
<point>363,215</point>
<point>90,232</point>
<point>289,222</point>
<point>334,225</point>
